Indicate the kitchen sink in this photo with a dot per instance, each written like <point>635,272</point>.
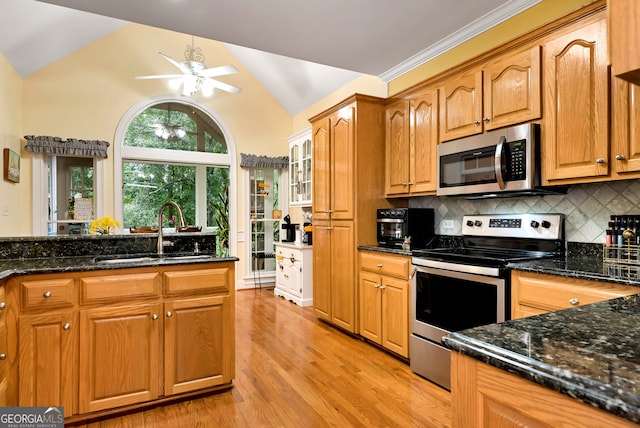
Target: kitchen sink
<point>118,259</point>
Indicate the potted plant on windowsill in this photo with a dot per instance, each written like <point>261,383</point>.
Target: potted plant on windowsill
<point>221,215</point>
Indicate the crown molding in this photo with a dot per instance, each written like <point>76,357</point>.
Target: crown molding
<point>480,25</point>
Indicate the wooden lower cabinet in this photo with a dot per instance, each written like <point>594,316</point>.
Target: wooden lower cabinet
<point>535,293</point>
<point>384,300</point>
<point>484,396</point>
<point>100,340</point>
<point>121,356</point>
<point>198,343</point>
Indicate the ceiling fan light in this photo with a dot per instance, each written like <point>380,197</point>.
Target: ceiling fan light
<point>207,87</point>
<point>180,133</point>
<point>175,83</point>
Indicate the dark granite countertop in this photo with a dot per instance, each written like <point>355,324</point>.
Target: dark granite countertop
<point>590,353</point>
<point>12,267</point>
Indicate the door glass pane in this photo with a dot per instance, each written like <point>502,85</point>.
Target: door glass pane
<point>265,230</point>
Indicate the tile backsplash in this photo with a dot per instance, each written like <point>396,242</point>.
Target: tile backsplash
<point>587,208</point>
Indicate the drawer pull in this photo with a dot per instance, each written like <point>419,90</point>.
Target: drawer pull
<point>154,317</point>
<point>379,265</point>
<point>574,301</point>
<point>3,357</point>
<point>169,314</point>
<point>46,294</point>
<point>67,326</point>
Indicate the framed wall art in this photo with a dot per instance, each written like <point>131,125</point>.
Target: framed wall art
<point>11,166</point>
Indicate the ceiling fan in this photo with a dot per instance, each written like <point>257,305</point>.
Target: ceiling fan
<point>195,75</point>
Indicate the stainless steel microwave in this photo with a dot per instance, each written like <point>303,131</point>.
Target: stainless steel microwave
<point>498,162</point>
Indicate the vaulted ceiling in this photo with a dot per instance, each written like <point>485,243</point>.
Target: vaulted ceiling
<point>334,41</point>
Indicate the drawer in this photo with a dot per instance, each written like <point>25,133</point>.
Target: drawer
<point>116,287</point>
<point>198,281</point>
<point>385,264</point>
<point>549,292</point>
<point>48,293</point>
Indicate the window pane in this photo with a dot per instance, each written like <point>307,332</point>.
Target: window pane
<point>148,185</point>
<point>175,126</point>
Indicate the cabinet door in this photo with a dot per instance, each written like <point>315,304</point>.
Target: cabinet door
<point>624,39</point>
<point>397,148</point>
<point>321,170</point>
<point>295,173</point>
<point>512,89</point>
<point>461,106</point>
<point>343,273</point>
<point>342,163</point>
<point>625,129</point>
<point>48,360</point>
<point>294,272</point>
<point>575,135</point>
<point>198,344</point>
<point>121,356</point>
<point>395,315</point>
<point>322,257</point>
<point>370,307</point>
<point>424,142</point>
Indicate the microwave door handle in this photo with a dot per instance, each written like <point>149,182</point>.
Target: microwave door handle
<point>498,162</point>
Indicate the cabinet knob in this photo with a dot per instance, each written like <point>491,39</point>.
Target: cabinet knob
<point>154,317</point>
<point>600,160</point>
<point>379,265</point>
<point>3,357</point>
<point>2,305</point>
<point>169,314</point>
<point>619,157</point>
<point>376,286</point>
<point>46,294</point>
<point>476,122</point>
<point>67,326</point>
<point>574,301</point>
<point>411,183</point>
<point>382,287</point>
<point>486,119</point>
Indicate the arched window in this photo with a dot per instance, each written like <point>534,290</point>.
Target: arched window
<point>174,149</point>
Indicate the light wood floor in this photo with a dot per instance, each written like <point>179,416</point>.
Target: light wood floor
<point>295,371</point>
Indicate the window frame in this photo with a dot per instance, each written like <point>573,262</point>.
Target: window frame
<point>141,154</point>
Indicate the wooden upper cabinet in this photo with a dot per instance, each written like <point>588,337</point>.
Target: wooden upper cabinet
<point>624,39</point>
<point>625,128</point>
<point>397,148</point>
<point>342,163</point>
<point>512,91</point>
<point>321,173</point>
<point>411,141</point>
<point>461,106</point>
<point>575,140</point>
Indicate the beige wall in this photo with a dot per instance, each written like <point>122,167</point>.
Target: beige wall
<point>14,215</point>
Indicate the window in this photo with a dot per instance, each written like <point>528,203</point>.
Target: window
<point>174,151</point>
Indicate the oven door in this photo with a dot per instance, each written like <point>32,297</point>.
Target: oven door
<point>445,301</point>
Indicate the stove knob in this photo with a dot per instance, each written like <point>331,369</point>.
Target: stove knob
<point>546,224</point>
<point>478,223</point>
<point>535,224</point>
<point>470,223</point>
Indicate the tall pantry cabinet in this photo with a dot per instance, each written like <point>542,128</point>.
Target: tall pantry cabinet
<point>348,187</point>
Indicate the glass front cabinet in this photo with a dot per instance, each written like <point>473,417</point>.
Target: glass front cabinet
<point>300,169</point>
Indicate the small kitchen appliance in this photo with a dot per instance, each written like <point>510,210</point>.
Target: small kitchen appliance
<point>463,287</point>
<point>288,230</point>
<point>397,224</point>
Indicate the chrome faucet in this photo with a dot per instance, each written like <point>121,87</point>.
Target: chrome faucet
<point>161,243</point>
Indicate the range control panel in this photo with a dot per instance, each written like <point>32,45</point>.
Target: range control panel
<point>538,226</point>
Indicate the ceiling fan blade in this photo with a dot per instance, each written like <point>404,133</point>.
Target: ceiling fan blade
<point>174,62</point>
<point>160,76</point>
<point>218,71</point>
<point>224,86</point>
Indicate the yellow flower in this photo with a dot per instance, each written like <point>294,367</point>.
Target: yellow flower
<point>103,225</point>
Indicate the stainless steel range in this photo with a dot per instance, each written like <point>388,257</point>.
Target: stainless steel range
<point>458,288</point>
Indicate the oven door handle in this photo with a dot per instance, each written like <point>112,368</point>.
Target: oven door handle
<point>498,162</point>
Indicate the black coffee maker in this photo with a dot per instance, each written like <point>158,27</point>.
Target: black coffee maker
<point>288,230</point>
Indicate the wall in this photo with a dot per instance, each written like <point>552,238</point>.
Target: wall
<point>587,208</point>
<point>14,214</point>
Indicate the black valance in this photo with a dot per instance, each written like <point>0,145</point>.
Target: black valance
<point>70,146</point>
<point>255,161</point>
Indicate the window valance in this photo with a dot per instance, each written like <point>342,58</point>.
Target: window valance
<point>70,146</point>
<point>255,161</point>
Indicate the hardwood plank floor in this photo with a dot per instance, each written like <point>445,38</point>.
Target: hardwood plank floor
<point>293,370</point>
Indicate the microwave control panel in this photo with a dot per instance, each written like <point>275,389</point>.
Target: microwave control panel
<point>516,160</point>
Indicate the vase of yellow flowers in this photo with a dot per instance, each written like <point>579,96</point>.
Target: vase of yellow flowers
<point>104,226</point>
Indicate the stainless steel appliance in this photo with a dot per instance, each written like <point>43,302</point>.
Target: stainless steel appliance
<point>396,224</point>
<point>503,162</point>
<point>458,288</point>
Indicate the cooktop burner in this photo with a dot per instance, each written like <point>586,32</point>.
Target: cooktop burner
<point>497,239</point>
